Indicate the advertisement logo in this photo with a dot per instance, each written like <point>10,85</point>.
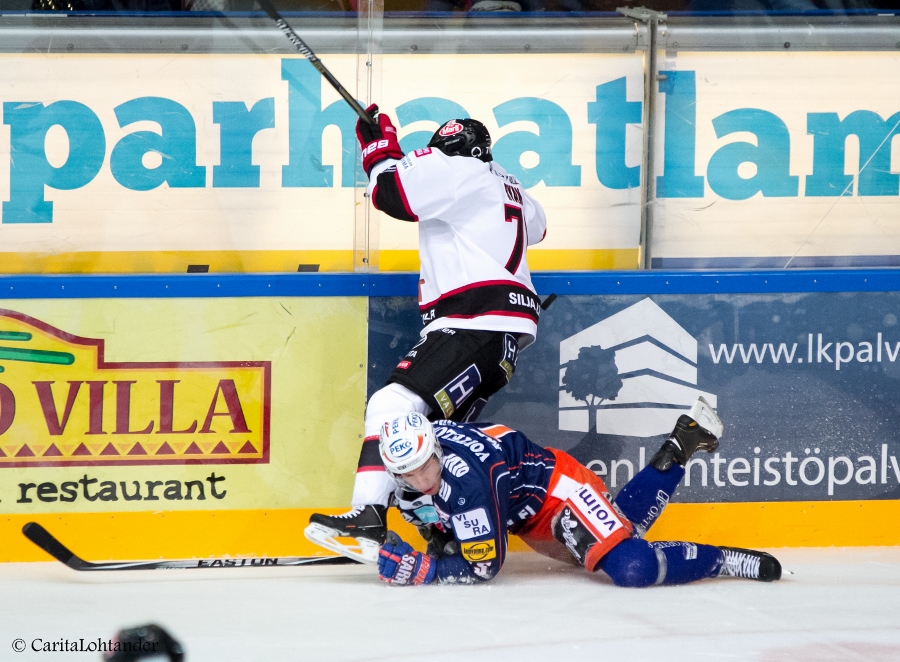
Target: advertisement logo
<point>629,374</point>
<point>451,129</point>
<point>479,551</point>
<point>594,507</point>
<point>458,389</point>
<point>63,404</point>
<point>471,524</point>
<point>401,448</point>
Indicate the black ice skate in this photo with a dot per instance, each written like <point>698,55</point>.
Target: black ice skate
<point>699,430</point>
<point>750,564</point>
<point>366,524</point>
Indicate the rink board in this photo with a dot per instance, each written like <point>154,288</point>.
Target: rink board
<point>206,415</point>
<point>253,533</point>
<point>262,170</point>
<point>790,151</point>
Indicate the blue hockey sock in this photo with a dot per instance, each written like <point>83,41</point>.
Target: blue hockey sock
<point>643,498</point>
<point>688,562</point>
<point>637,563</point>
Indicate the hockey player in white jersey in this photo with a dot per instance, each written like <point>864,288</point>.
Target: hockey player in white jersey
<point>478,305</point>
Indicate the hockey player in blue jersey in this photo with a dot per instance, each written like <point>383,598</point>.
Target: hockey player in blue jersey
<point>469,485</point>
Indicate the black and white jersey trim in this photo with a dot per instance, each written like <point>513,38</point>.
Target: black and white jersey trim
<point>502,298</point>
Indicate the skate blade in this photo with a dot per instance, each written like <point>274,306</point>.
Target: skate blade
<point>364,550</point>
<point>706,417</point>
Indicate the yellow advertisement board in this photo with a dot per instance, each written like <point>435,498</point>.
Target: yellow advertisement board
<point>64,405</point>
<point>152,416</point>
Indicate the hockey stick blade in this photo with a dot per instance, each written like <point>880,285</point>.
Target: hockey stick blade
<point>43,539</point>
<point>47,542</point>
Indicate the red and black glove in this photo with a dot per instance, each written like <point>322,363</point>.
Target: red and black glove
<point>378,141</point>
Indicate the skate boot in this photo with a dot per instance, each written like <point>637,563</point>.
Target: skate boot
<point>367,525</point>
<point>699,429</point>
<point>749,564</point>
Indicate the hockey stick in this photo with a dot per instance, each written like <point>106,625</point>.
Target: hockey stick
<point>45,540</point>
<point>306,51</point>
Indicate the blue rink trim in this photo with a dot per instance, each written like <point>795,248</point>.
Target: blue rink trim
<point>807,262</point>
<point>405,284</point>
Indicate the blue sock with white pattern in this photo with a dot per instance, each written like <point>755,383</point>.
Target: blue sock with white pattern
<point>643,498</point>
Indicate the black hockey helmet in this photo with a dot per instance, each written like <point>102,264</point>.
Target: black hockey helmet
<point>463,138</point>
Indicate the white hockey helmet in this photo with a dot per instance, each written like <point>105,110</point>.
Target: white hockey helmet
<point>407,442</point>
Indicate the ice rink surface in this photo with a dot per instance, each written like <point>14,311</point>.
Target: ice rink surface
<point>839,604</point>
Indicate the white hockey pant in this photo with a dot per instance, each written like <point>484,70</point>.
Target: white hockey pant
<point>386,404</point>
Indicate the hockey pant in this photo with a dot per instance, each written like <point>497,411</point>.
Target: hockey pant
<point>440,358</point>
<point>577,523</point>
<point>373,485</point>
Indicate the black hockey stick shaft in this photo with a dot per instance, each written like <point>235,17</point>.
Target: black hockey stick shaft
<point>306,51</point>
<point>47,542</point>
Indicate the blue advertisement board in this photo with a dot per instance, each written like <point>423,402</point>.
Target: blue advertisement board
<point>806,383</point>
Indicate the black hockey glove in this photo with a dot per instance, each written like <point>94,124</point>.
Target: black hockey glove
<point>440,543</point>
<point>378,141</point>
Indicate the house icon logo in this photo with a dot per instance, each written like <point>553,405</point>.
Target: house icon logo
<point>630,374</point>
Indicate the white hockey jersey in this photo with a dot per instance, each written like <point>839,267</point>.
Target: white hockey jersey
<point>475,222</point>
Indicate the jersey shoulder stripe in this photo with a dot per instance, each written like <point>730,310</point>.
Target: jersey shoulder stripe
<point>496,431</point>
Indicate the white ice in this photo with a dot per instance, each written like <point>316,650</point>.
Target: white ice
<point>838,604</point>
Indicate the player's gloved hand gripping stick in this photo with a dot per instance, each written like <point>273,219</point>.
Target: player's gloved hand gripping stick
<point>378,141</point>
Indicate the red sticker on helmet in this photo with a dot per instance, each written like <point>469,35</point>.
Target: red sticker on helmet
<point>451,128</point>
